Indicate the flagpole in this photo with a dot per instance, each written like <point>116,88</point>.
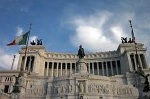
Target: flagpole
<point>26,48</point>
<point>16,88</point>
<point>132,33</point>
<point>10,86</point>
<point>133,40</point>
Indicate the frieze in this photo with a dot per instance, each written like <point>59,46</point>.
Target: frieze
<point>83,75</point>
<point>87,56</point>
<point>93,88</point>
<point>110,89</point>
<point>32,50</point>
<point>35,92</point>
<point>58,89</point>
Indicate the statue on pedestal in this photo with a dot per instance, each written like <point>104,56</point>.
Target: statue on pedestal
<point>81,53</point>
<point>16,87</point>
<point>81,63</point>
<point>81,87</point>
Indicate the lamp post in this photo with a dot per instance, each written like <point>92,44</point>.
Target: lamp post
<point>13,62</point>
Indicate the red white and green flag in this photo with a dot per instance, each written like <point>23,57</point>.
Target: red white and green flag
<point>20,40</point>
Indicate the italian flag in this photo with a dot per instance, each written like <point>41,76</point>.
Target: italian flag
<point>20,40</point>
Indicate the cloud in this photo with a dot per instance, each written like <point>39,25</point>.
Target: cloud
<point>33,38</point>
<point>19,31</point>
<point>91,38</point>
<point>102,31</point>
<point>117,33</point>
<point>94,33</point>
<point>7,59</point>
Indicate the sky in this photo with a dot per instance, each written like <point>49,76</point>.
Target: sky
<point>63,25</point>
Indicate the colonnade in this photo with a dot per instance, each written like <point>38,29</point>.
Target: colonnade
<point>28,66</point>
<point>138,60</point>
<point>106,68</point>
<point>55,69</point>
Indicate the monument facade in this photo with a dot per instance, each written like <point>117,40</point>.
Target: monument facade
<point>99,75</point>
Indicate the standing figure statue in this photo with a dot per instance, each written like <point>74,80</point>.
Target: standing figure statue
<point>16,87</point>
<point>146,82</point>
<point>81,53</point>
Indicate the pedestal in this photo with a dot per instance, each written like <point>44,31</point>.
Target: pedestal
<point>81,66</point>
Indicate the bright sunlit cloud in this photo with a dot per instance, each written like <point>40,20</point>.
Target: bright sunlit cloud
<point>91,32</point>
<point>117,33</point>
<point>19,31</point>
<point>33,38</point>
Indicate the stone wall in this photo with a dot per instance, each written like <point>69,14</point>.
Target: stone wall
<point>4,96</point>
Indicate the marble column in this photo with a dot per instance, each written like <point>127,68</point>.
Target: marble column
<point>25,62</point>
<point>107,69</point>
<point>130,63</point>
<point>34,63</point>
<point>47,65</point>
<point>135,62</point>
<point>29,66</point>
<point>57,69</point>
<point>65,69</point>
<point>140,62</point>
<point>93,67</point>
<point>52,69</point>
<point>112,72</point>
<point>103,69</point>
<point>97,68</point>
<point>116,67</point>
<point>70,68</point>
<point>88,67</point>
<point>75,67</point>
<point>61,69</point>
<point>143,60</point>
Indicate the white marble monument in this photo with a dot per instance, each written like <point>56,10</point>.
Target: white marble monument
<point>99,75</point>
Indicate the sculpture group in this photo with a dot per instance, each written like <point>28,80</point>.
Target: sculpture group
<point>124,40</point>
<point>39,42</point>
